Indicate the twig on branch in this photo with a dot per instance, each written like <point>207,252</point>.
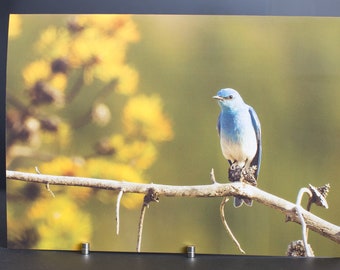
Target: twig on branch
<point>47,184</point>
<point>317,195</point>
<point>151,196</point>
<point>140,227</point>
<point>224,221</point>
<point>119,197</point>
<point>212,176</point>
<point>299,208</point>
<point>313,222</point>
<point>222,215</point>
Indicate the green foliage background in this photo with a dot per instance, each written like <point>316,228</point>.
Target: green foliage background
<point>287,68</point>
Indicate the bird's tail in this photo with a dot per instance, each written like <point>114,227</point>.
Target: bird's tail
<point>238,201</point>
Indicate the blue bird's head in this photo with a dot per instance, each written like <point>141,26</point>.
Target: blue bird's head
<point>228,98</point>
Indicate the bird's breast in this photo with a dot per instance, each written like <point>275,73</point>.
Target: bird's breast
<point>238,137</point>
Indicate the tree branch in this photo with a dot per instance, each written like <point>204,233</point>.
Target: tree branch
<point>312,221</point>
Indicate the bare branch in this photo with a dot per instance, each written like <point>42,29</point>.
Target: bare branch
<point>140,227</point>
<point>119,197</point>
<point>224,221</point>
<point>151,196</point>
<point>212,176</point>
<point>299,208</point>
<point>313,222</point>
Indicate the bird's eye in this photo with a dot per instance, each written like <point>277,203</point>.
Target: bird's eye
<point>229,97</point>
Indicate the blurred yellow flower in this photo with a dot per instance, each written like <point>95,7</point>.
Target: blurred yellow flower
<point>53,42</point>
<point>100,46</point>
<point>143,116</point>
<point>47,38</point>
<point>96,43</point>
<point>106,169</point>
<point>83,49</point>
<point>62,166</point>
<point>14,26</point>
<point>128,81</point>
<point>60,137</point>
<point>60,223</point>
<point>102,59</point>
<point>132,201</point>
<point>36,71</point>
<point>58,81</point>
<point>118,25</point>
<point>139,154</point>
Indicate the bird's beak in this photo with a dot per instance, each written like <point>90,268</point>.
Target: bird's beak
<point>217,97</point>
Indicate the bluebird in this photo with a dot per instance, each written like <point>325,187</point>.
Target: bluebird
<point>240,134</point>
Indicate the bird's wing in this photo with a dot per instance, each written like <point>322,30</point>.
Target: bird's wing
<point>256,124</point>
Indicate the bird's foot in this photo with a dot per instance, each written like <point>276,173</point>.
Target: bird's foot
<point>243,174</point>
<point>248,175</point>
<point>235,172</point>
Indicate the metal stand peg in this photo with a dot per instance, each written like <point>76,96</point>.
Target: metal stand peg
<point>191,251</point>
<point>85,248</point>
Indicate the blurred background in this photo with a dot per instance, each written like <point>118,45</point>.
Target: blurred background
<point>129,98</point>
